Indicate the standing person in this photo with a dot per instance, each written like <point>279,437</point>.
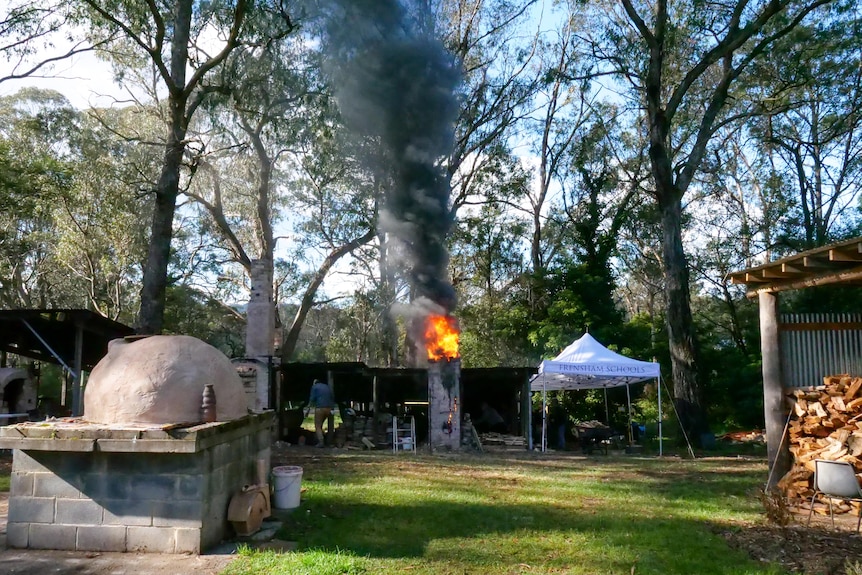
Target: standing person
<point>557,420</point>
<point>322,400</point>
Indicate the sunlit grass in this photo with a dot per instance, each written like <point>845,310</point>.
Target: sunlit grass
<point>311,562</point>
<point>382,513</point>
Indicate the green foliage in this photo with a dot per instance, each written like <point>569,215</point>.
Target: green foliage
<point>70,233</point>
<point>821,299</point>
<point>490,272</point>
<point>330,334</point>
<point>190,312</point>
<point>355,334</point>
<point>730,363</point>
<point>579,300</point>
<point>51,381</point>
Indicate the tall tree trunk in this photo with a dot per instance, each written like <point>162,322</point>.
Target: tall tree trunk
<point>152,314</point>
<point>681,338</point>
<point>682,341</point>
<point>680,327</point>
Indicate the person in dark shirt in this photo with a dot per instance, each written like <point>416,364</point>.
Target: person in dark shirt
<point>322,400</point>
<point>557,422</point>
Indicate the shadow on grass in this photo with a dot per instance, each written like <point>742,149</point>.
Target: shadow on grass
<point>604,514</point>
<point>708,481</point>
<point>477,534</point>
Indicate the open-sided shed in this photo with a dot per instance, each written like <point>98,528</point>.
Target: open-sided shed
<point>375,389</point>
<point>838,263</point>
<point>74,338</point>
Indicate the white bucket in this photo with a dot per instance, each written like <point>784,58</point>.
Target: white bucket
<point>286,485</point>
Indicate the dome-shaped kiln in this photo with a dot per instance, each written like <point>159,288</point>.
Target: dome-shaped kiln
<point>160,380</point>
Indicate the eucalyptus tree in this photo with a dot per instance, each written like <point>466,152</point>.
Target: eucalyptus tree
<point>34,37</point>
<point>562,110</point>
<point>101,245</point>
<point>489,271</point>
<point>237,149</point>
<point>272,165</point>
<point>338,203</point>
<point>500,77</point>
<point>684,63</point>
<point>355,332</point>
<point>182,45</point>
<point>70,234</point>
<point>812,138</point>
<point>579,198</point>
<point>33,178</point>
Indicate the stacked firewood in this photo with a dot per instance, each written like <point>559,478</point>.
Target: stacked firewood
<point>493,438</point>
<point>826,423</point>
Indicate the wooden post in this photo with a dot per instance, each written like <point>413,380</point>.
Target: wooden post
<point>375,400</point>
<point>527,411</point>
<point>330,421</point>
<point>77,391</point>
<point>775,413</point>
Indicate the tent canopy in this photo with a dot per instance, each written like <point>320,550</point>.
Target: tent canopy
<point>587,364</point>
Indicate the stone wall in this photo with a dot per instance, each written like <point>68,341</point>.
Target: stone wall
<point>149,500</point>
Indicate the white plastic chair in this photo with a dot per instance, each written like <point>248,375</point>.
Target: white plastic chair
<point>835,479</point>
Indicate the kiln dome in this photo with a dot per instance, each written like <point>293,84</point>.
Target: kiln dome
<point>160,380</point>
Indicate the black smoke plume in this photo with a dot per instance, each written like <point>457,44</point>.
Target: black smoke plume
<point>396,83</point>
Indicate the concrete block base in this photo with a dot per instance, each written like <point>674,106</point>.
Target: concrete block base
<point>171,496</point>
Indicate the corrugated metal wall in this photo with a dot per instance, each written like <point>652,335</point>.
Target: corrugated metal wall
<point>816,345</point>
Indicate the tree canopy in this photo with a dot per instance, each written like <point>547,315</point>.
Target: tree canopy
<point>536,169</point>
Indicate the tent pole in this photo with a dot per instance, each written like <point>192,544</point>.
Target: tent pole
<point>529,416</point>
<point>607,413</point>
<point>659,416</point>
<point>544,415</point>
<point>629,402</point>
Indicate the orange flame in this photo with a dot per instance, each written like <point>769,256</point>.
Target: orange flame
<point>441,337</point>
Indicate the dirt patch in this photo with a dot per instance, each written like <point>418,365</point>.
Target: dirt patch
<point>814,550</point>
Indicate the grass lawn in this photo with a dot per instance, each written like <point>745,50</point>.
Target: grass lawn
<point>515,513</point>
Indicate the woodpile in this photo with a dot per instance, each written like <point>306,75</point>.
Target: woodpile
<point>493,438</point>
<point>825,423</point>
<point>364,432</point>
<point>472,439</point>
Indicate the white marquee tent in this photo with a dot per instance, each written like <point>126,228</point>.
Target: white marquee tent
<point>587,364</point>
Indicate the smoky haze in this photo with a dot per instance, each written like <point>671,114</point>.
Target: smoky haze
<point>396,83</point>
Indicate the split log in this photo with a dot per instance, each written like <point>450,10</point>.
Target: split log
<point>836,403</point>
<point>853,388</point>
